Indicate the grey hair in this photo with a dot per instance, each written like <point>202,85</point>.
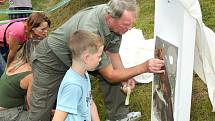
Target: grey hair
<point>117,7</point>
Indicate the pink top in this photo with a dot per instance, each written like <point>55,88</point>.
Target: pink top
<point>17,30</point>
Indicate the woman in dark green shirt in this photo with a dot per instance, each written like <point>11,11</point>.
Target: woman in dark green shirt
<point>15,84</point>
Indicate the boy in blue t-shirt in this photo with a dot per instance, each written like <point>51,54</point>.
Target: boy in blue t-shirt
<point>74,101</point>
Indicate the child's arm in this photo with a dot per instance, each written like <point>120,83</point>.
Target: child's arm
<point>59,115</point>
<point>94,112</point>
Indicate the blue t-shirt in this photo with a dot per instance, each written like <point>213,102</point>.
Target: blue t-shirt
<point>74,96</point>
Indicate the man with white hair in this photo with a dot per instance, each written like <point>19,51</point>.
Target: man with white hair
<point>52,59</point>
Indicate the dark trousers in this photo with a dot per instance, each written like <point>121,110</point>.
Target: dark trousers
<point>48,72</point>
<point>114,98</point>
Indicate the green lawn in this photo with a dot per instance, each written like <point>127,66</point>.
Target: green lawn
<point>39,5</point>
<point>141,98</point>
<point>3,16</point>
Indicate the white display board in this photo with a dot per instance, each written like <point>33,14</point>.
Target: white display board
<point>174,25</point>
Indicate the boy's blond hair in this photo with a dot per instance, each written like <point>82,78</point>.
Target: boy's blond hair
<point>83,40</point>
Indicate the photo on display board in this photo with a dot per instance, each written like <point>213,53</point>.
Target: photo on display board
<point>163,86</point>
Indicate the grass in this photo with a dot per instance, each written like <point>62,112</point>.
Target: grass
<point>3,16</point>
<point>43,4</point>
<point>201,106</point>
<point>39,5</point>
<point>141,98</point>
<point>145,20</point>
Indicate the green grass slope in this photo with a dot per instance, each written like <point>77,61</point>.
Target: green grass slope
<point>141,97</point>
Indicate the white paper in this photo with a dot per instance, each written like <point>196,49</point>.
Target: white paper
<point>135,50</point>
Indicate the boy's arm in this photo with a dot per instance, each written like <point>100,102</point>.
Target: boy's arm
<point>59,115</point>
<point>94,112</point>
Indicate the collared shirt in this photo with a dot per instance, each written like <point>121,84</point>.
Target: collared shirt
<point>90,19</point>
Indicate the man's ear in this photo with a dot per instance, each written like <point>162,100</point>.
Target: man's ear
<point>109,20</point>
<point>109,17</point>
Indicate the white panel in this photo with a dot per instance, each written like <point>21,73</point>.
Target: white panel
<point>173,24</point>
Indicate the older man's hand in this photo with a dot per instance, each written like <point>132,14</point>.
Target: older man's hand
<point>154,65</point>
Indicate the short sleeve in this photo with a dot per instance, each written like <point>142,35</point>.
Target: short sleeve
<point>69,99</point>
<point>17,30</point>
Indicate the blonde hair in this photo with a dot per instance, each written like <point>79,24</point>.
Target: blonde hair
<point>24,55</point>
<point>83,40</point>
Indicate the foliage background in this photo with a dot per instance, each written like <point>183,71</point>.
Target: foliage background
<point>141,97</point>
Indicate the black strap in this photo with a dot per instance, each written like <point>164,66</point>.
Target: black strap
<point>20,47</point>
<point>5,43</point>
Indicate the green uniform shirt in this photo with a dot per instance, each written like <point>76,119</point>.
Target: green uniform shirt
<point>90,19</point>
